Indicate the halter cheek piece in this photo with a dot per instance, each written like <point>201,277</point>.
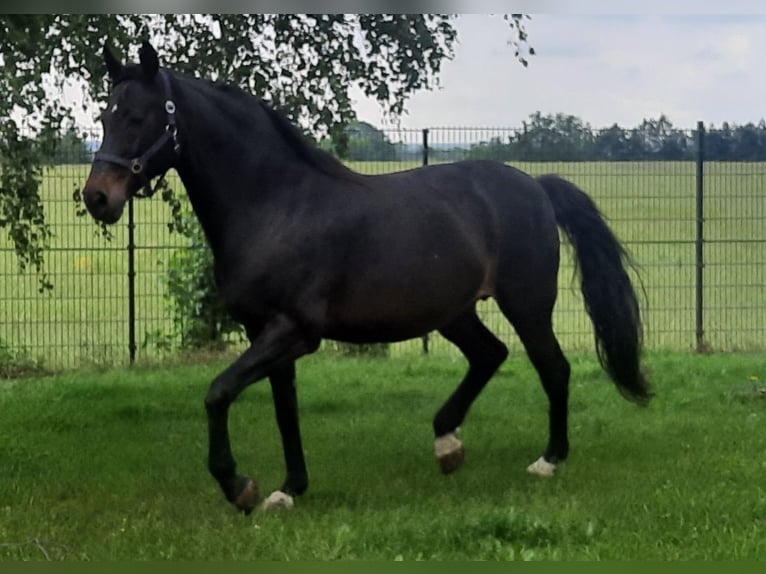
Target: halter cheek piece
<point>137,165</point>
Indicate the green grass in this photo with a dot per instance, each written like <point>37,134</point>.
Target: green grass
<point>111,466</point>
<point>651,205</point>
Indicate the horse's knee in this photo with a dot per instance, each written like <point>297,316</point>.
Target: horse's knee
<point>216,400</point>
<point>490,359</point>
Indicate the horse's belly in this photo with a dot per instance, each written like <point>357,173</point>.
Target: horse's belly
<point>356,335</point>
<point>378,313</point>
<point>376,332</point>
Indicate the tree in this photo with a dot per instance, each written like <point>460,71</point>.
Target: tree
<point>558,137</point>
<point>736,143</point>
<point>612,144</point>
<point>368,143</point>
<point>719,142</point>
<point>749,142</point>
<point>494,149</point>
<point>305,63</point>
<point>70,148</point>
<point>660,140</point>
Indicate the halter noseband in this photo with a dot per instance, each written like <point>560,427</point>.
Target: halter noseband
<point>137,164</point>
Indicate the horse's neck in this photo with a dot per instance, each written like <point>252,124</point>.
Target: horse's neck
<point>228,165</point>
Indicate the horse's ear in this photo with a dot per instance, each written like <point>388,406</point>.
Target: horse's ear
<point>150,63</point>
<point>113,65</point>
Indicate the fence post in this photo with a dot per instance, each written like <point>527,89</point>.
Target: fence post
<point>425,338</point>
<point>700,241</point>
<point>131,283</point>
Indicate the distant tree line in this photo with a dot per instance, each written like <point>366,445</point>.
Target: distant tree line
<point>563,137</point>
<point>558,137</point>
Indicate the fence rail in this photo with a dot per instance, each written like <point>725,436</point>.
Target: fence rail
<point>696,227</point>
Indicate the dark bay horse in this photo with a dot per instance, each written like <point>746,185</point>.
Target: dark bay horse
<point>306,249</point>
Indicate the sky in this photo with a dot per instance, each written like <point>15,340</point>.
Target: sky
<point>602,68</point>
<point>605,69</point>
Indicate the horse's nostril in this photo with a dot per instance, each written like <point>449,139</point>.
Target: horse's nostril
<point>99,199</point>
<point>95,199</point>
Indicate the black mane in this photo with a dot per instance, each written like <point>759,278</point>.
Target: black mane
<point>301,145</point>
<point>295,139</point>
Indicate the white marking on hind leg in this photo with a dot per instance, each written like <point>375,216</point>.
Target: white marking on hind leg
<point>277,500</point>
<point>541,467</point>
<point>448,444</point>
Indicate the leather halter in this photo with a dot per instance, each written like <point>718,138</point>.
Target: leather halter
<point>137,165</point>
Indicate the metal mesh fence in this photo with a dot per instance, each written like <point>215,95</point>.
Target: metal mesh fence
<point>83,318</point>
<point>735,255</point>
<point>714,302</point>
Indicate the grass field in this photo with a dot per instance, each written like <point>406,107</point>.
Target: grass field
<point>111,466</point>
<point>650,205</point>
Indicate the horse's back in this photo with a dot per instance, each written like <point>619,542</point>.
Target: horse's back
<point>510,215</point>
<point>504,207</point>
<point>436,239</point>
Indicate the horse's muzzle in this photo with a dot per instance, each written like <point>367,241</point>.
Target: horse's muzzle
<point>105,195</point>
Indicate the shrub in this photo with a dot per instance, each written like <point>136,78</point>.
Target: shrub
<point>198,313</point>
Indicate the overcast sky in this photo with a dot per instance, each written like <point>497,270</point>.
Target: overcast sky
<point>604,69</point>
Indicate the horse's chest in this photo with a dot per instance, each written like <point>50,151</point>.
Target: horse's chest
<point>257,288</point>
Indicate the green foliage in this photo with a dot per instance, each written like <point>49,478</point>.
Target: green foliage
<point>367,143</point>
<point>198,313</point>
<point>21,209</point>
<point>70,148</point>
<point>305,63</point>
<point>15,364</point>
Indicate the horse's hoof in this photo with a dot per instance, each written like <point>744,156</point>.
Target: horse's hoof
<point>542,467</point>
<point>451,462</point>
<point>450,452</point>
<point>277,500</point>
<point>248,496</point>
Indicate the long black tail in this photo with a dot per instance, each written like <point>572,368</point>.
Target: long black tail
<point>609,295</point>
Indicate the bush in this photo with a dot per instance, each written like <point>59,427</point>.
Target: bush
<point>200,319</point>
<point>15,364</point>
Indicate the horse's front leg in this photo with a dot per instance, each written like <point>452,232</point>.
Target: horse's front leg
<point>278,344</point>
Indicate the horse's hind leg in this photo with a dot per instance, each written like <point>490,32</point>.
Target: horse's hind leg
<point>535,329</point>
<point>485,354</point>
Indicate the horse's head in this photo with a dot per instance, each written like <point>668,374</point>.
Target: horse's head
<point>140,138</point>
